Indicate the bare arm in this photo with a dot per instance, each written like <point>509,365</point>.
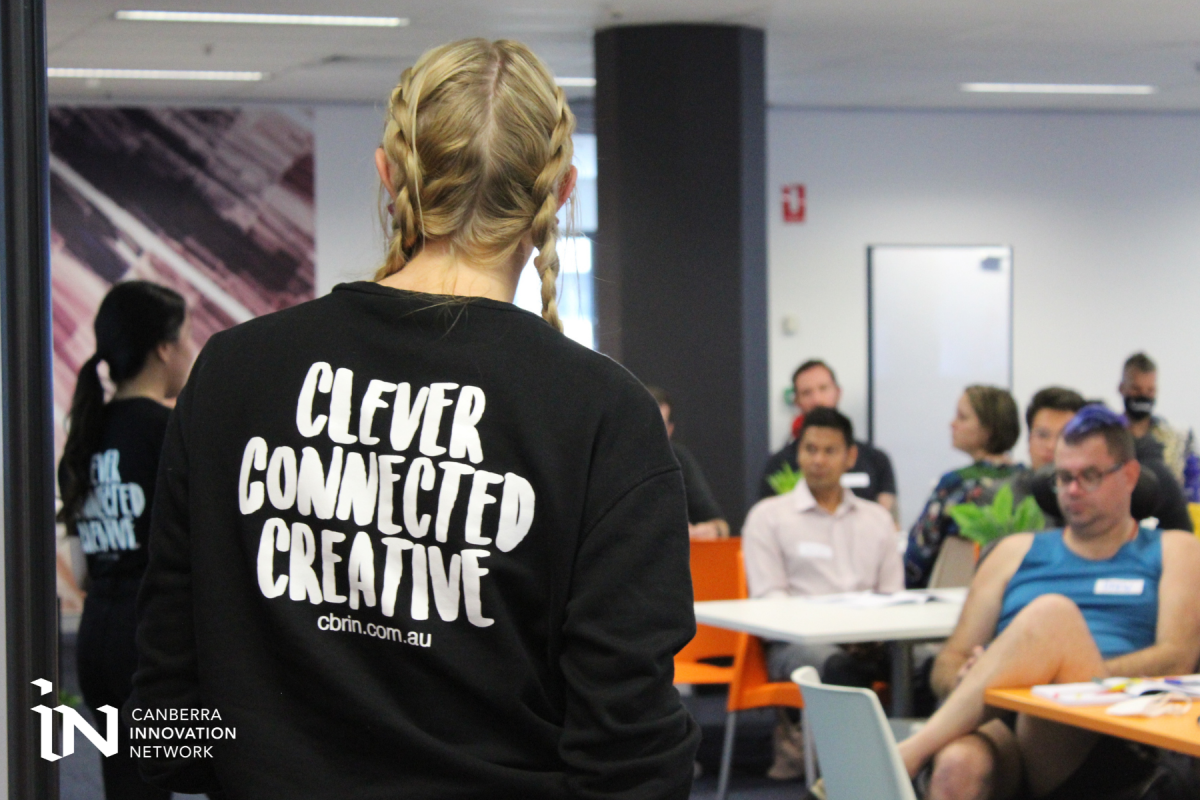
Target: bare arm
<point>68,588</point>
<point>710,529</point>
<point>981,612</point>
<point>1176,646</point>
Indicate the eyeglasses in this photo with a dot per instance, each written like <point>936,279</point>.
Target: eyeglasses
<point>1089,479</point>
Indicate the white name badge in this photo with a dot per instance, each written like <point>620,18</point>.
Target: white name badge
<point>1126,586</point>
<point>856,480</point>
<point>815,550</point>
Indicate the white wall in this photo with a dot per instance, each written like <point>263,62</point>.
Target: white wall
<point>1102,212</point>
<point>350,240</point>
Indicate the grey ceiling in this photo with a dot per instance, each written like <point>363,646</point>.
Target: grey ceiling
<point>844,53</point>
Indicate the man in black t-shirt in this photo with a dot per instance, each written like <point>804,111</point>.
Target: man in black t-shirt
<point>705,519</point>
<point>871,478</point>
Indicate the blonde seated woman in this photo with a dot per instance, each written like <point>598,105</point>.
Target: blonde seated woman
<point>410,540</point>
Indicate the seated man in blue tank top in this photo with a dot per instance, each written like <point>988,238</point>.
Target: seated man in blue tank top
<point>1100,597</point>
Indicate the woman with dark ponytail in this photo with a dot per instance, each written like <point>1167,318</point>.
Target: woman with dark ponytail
<point>106,479</point>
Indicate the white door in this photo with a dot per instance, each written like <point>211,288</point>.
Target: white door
<point>940,320</point>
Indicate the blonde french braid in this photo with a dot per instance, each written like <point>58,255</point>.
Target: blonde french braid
<point>545,221</point>
<point>400,146</point>
<point>478,142</point>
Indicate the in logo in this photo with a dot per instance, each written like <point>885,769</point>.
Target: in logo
<point>73,721</point>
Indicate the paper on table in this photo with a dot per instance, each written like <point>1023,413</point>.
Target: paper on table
<point>1079,694</point>
<point>873,600</point>
<point>1113,690</point>
<point>1184,684</point>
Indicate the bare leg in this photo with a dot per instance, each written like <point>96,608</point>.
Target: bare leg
<point>1048,642</point>
<point>1050,752</point>
<point>984,765</point>
<point>988,764</point>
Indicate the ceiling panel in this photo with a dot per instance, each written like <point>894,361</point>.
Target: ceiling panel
<point>844,53</point>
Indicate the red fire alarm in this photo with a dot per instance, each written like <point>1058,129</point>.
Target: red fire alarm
<point>793,202</point>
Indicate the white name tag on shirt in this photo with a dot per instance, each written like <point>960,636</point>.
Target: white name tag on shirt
<point>856,480</point>
<point>1127,586</point>
<point>815,550</point>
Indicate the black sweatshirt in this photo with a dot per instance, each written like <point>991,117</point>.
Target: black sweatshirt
<point>114,522</point>
<point>410,546</point>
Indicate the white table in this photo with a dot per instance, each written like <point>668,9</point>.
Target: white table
<point>808,621</point>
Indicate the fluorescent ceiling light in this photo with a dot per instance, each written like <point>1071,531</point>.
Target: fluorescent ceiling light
<point>153,74</point>
<point>1058,88</point>
<point>585,83</point>
<point>262,19</point>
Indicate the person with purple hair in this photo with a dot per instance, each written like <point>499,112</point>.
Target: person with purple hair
<point>1101,596</point>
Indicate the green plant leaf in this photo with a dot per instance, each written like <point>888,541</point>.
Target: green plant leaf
<point>977,524</point>
<point>968,517</point>
<point>784,480</point>
<point>1002,507</point>
<point>1028,517</point>
<point>972,535</point>
<point>994,530</point>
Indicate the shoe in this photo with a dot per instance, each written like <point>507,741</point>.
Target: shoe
<point>788,737</point>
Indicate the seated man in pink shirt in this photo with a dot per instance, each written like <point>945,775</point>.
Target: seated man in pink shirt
<point>818,539</point>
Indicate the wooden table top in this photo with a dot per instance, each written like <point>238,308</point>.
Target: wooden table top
<point>1178,733</point>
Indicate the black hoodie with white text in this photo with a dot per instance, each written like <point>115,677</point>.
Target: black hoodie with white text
<point>422,547</point>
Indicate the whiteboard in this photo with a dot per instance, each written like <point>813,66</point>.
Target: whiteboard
<point>939,319</point>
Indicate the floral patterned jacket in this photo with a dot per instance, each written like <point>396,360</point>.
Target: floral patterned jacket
<point>975,484</point>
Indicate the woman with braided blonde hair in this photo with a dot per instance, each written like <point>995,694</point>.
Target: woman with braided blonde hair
<point>409,540</point>
<point>483,182</point>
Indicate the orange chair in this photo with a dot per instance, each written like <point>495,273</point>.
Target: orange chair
<point>750,688</point>
<point>716,569</point>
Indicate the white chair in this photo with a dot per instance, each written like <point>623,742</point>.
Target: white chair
<point>854,742</point>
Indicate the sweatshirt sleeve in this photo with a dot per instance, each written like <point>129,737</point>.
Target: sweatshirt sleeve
<point>626,734</point>
<point>167,674</point>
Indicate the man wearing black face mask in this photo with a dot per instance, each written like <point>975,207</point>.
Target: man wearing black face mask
<point>1153,437</point>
